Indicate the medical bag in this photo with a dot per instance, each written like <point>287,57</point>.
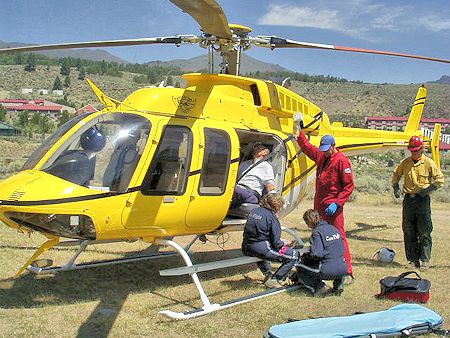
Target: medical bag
<point>405,289</point>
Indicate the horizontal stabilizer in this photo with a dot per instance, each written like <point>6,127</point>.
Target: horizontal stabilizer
<point>435,145</point>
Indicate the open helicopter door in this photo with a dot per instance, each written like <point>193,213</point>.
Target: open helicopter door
<point>162,201</point>
<point>215,178</point>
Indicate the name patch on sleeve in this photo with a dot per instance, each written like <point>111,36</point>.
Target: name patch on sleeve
<point>347,171</point>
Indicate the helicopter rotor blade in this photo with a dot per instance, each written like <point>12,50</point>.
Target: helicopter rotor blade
<point>276,42</point>
<point>177,40</point>
<point>208,14</point>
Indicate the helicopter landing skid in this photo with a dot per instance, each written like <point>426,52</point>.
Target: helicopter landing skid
<point>71,265</point>
<point>194,269</point>
<point>208,308</point>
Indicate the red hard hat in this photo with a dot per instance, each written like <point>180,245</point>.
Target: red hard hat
<point>415,143</point>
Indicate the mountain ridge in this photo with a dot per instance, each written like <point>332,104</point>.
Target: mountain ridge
<point>248,63</point>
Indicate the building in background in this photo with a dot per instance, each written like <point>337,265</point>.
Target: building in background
<point>398,123</point>
<point>51,109</point>
<point>89,108</point>
<point>7,130</point>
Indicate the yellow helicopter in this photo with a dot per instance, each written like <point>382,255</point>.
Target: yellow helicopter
<point>164,161</point>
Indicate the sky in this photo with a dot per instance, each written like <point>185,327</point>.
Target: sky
<point>413,27</point>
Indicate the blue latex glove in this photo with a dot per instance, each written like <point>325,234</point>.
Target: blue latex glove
<point>331,209</point>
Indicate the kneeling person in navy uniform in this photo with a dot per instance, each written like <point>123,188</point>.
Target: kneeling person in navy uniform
<point>262,238</point>
<point>326,256</point>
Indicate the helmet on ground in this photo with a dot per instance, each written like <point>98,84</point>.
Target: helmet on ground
<point>92,139</point>
<point>415,143</point>
<point>385,255</point>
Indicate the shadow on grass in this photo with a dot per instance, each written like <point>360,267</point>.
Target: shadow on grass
<point>358,234</point>
<point>374,263</point>
<point>110,285</point>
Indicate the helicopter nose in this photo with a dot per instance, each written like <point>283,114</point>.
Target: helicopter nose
<point>26,201</point>
<point>70,226</point>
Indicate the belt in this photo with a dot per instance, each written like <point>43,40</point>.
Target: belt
<point>257,194</point>
<point>412,195</point>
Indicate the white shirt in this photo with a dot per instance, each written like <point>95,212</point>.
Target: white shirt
<point>257,177</point>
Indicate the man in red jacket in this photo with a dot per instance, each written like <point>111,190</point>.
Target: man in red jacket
<point>334,184</point>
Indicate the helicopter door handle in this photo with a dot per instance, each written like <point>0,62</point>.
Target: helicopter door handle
<point>169,200</point>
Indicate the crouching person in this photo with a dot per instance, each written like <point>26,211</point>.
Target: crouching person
<point>325,258</point>
<point>262,238</point>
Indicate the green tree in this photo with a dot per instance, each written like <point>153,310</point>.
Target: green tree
<point>57,84</point>
<point>64,117</point>
<point>82,73</point>
<point>169,81</point>
<point>152,78</point>
<point>45,125</point>
<point>2,113</point>
<point>35,119</point>
<point>23,118</point>
<point>67,81</point>
<point>65,67</point>
<point>31,63</point>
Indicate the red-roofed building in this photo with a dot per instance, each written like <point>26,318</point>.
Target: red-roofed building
<point>86,109</point>
<point>37,105</point>
<point>31,107</point>
<point>42,106</point>
<point>395,123</point>
<point>444,146</point>
<point>398,123</point>
<point>20,101</point>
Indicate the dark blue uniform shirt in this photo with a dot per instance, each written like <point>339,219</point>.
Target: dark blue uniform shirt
<point>263,226</point>
<point>327,244</point>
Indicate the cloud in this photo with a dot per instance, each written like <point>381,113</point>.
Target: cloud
<point>285,15</point>
<point>357,18</point>
<point>434,24</point>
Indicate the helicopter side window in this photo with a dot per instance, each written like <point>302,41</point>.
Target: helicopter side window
<point>168,172</point>
<point>216,163</point>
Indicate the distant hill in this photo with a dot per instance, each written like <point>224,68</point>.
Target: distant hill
<point>86,54</point>
<point>248,64</point>
<point>445,79</point>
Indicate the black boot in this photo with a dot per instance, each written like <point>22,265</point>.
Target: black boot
<point>338,286</point>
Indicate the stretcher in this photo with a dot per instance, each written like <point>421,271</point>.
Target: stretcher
<point>403,320</point>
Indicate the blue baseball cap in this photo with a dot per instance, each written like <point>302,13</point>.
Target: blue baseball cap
<point>326,142</point>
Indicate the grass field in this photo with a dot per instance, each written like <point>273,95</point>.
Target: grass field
<point>124,300</point>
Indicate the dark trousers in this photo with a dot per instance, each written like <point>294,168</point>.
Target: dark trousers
<point>417,227</point>
<point>242,195</point>
<point>314,279</point>
<point>288,257</point>
<point>338,221</point>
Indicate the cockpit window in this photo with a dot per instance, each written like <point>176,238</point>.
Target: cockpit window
<point>103,154</point>
<point>51,140</point>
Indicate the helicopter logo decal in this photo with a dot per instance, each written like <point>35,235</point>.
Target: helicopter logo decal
<point>185,104</point>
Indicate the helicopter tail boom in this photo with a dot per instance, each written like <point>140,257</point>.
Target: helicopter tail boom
<point>415,116</point>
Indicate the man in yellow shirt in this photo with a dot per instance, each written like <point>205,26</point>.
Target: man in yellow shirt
<point>421,176</point>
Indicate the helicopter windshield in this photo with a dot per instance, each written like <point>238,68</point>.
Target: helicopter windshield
<point>51,140</point>
<point>102,154</point>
